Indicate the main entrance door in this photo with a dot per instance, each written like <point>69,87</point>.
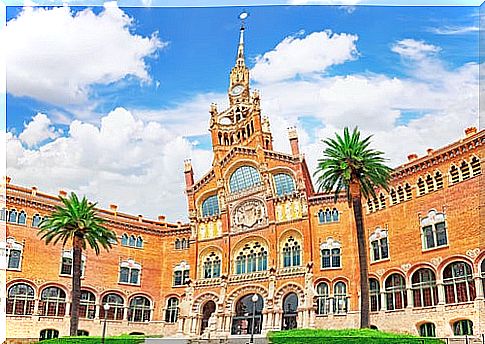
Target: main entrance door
<point>207,311</point>
<point>290,306</point>
<point>246,312</point>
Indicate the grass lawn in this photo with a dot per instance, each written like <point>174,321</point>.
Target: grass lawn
<point>351,336</point>
<point>123,339</point>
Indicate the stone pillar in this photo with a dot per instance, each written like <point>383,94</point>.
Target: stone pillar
<point>441,292</point>
<point>300,318</point>
<point>305,318</point>
<point>313,316</point>
<point>269,324</point>
<point>383,301</point>
<point>68,308</point>
<point>277,320</point>
<point>180,325</point>
<point>220,323</point>
<point>36,307</point>
<point>125,314</point>
<point>409,296</point>
<point>479,287</point>
<point>193,323</point>
<point>97,311</point>
<point>264,321</point>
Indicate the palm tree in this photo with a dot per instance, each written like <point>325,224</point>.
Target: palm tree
<point>76,222</point>
<point>349,164</point>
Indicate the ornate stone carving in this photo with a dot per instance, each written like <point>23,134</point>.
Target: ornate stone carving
<point>473,253</point>
<point>380,272</point>
<point>249,214</point>
<point>406,266</point>
<point>436,261</point>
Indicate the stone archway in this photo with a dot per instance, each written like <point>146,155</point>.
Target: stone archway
<point>290,311</point>
<point>207,310</point>
<point>290,299</point>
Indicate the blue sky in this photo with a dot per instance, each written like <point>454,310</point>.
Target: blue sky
<point>361,59</point>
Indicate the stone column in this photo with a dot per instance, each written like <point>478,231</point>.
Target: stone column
<point>125,313</point>
<point>193,323</point>
<point>97,311</point>
<point>269,324</point>
<point>220,323</point>
<point>300,318</point>
<point>180,325</point>
<point>409,296</point>
<point>441,292</point>
<point>277,320</point>
<point>36,307</point>
<point>68,308</point>
<point>479,287</point>
<point>383,301</point>
<point>305,318</point>
<point>313,316</point>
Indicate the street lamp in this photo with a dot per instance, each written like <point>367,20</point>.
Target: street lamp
<point>106,309</point>
<point>254,299</point>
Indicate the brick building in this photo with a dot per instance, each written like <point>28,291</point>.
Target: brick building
<point>257,227</point>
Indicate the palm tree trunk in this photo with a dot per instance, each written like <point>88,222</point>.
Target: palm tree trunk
<point>363,265</point>
<point>76,284</point>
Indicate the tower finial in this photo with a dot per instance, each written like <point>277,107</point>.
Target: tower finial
<point>240,49</point>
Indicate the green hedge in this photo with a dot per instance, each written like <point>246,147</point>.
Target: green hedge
<point>124,339</point>
<point>351,336</point>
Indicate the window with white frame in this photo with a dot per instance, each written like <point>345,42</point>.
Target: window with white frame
<point>463,328</point>
<point>3,214</point>
<point>52,302</point>
<point>475,165</point>
<point>328,215</point>
<point>458,282</point>
<point>181,274</point>
<point>433,230</point>
<point>130,272</point>
<point>252,257</point>
<point>140,309</point>
<point>87,305</point>
<point>379,245</point>
<point>66,263</point>
<point>20,299</point>
<point>291,253</point>
<point>212,266</point>
<point>323,298</point>
<point>331,252</point>
<point>245,177</point>
<point>116,307</point>
<point>340,298</point>
<point>423,284</point>
<point>36,220</point>
<point>14,252</point>
<point>396,297</point>
<point>375,295</point>
<point>12,216</point>
<point>172,310</point>
<point>22,218</point>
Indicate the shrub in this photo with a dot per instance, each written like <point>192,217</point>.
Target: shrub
<point>123,339</point>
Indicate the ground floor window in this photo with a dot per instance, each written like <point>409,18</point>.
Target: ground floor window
<point>290,311</point>
<point>242,322</point>
<point>463,328</point>
<point>48,334</point>
<point>172,311</point>
<point>82,333</point>
<point>427,330</point>
<point>323,299</point>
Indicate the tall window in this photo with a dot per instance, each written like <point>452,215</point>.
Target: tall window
<point>36,220</point>
<point>395,292</point>
<point>12,216</point>
<point>116,307</point>
<point>3,214</point>
<point>14,254</point>
<point>382,201</point>
<point>425,292</point>
<point>22,219</point>
<point>438,177</point>
<point>340,298</point>
<point>323,298</point>
<point>243,178</point>
<point>252,257</point>
<point>400,194</point>
<point>394,198</point>
<point>463,328</point>
<point>328,216</point>
<point>291,253</point>
<point>379,245</point>
<point>429,183</point>
<point>52,302</point>
<point>87,305</point>
<point>20,299</point>
<point>210,206</point>
<point>124,239</point>
<point>475,164</point>
<point>408,191</point>
<point>458,282</point>
<point>139,242</point>
<point>139,310</point>
<point>330,252</point>
<point>172,311</point>
<point>427,330</point>
<point>284,184</point>
<point>465,170</point>
<point>375,295</point>
<point>181,274</point>
<point>212,266</point>
<point>421,186</point>
<point>454,174</point>
<point>66,263</point>
<point>132,241</point>
<point>130,272</point>
<point>433,228</point>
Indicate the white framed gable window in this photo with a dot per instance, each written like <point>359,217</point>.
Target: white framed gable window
<point>330,252</point>
<point>66,263</point>
<point>14,252</point>
<point>433,230</point>
<point>181,274</point>
<point>379,245</point>
<point>130,272</point>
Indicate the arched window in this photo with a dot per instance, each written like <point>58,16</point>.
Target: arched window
<point>475,164</point>
<point>36,220</point>
<point>375,295</point>
<point>139,242</point>
<point>181,274</point>
<point>20,299</point>
<point>335,215</point>
<point>330,252</point>
<point>210,206</point>
<point>465,170</point>
<point>87,305</point>
<point>408,191</point>
<point>3,214</point>
<point>13,254</point>
<point>454,174</point>
<point>12,216</point>
<point>139,310</point>
<point>438,177</point>
<point>244,178</point>
<point>52,302</point>
<point>429,183</point>
<point>340,298</point>
<point>22,219</point>
<point>421,187</point>
<point>382,201</point>
<point>132,241</point>
<point>183,243</point>
<point>284,184</point>
<point>323,299</point>
<point>130,272</point>
<point>212,266</point>
<point>463,328</point>
<point>124,240</point>
<point>393,195</point>
<point>427,330</point>
<point>291,253</point>
<point>48,334</point>
<point>458,282</point>
<point>252,257</point>
<point>172,311</point>
<point>242,322</point>
<point>290,311</point>
<point>116,307</point>
<point>177,244</point>
<point>423,284</point>
<point>400,194</point>
<point>395,292</point>
<point>433,228</point>
<point>370,206</point>
<point>379,245</point>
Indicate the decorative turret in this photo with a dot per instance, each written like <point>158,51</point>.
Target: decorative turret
<point>293,136</point>
<point>189,173</point>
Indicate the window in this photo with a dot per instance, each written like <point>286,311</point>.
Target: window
<point>423,284</point>
<point>330,252</point>
<point>482,269</point>
<point>181,274</point>
<point>212,266</point>
<point>323,299</point>
<point>82,333</point>
<point>370,207</point>
<point>172,311</point>
<point>433,228</point>
<point>395,292</point>
<point>132,241</point>
<point>454,174</point>
<point>463,328</point>
<point>87,305</point>
<point>14,254</point>
<point>130,272</point>
<point>3,214</point>
<point>48,334</point>
<point>20,299</point>
<point>407,190</point>
<point>139,242</point>
<point>12,216</point>
<point>22,219</point>
<point>427,330</point>
<point>382,201</point>
<point>116,307</point>
<point>252,257</point>
<point>66,263</point>
<point>210,206</point>
<point>429,183</point>
<point>379,245</point>
<point>438,177</point>
<point>284,184</point>
<point>400,194</point>
<point>394,199</point>
<point>242,321</point>
<point>36,220</point>
<point>52,302</point>
<point>421,187</point>
<point>328,215</point>
<point>124,240</point>
<point>177,244</point>
<point>243,178</point>
<point>340,298</point>
<point>184,244</point>
<point>291,253</point>
<point>458,283</point>
<point>475,165</point>
<point>465,170</point>
<point>375,295</point>
<point>139,310</point>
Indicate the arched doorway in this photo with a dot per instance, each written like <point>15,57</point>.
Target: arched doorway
<point>290,311</point>
<point>242,322</point>
<point>207,310</point>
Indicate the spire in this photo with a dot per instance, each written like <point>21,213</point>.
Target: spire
<point>240,49</point>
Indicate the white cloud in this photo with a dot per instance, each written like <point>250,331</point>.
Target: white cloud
<point>454,30</point>
<point>295,56</point>
<point>38,130</point>
<point>56,55</point>
<point>414,49</point>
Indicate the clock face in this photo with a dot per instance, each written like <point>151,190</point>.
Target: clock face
<point>237,90</point>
